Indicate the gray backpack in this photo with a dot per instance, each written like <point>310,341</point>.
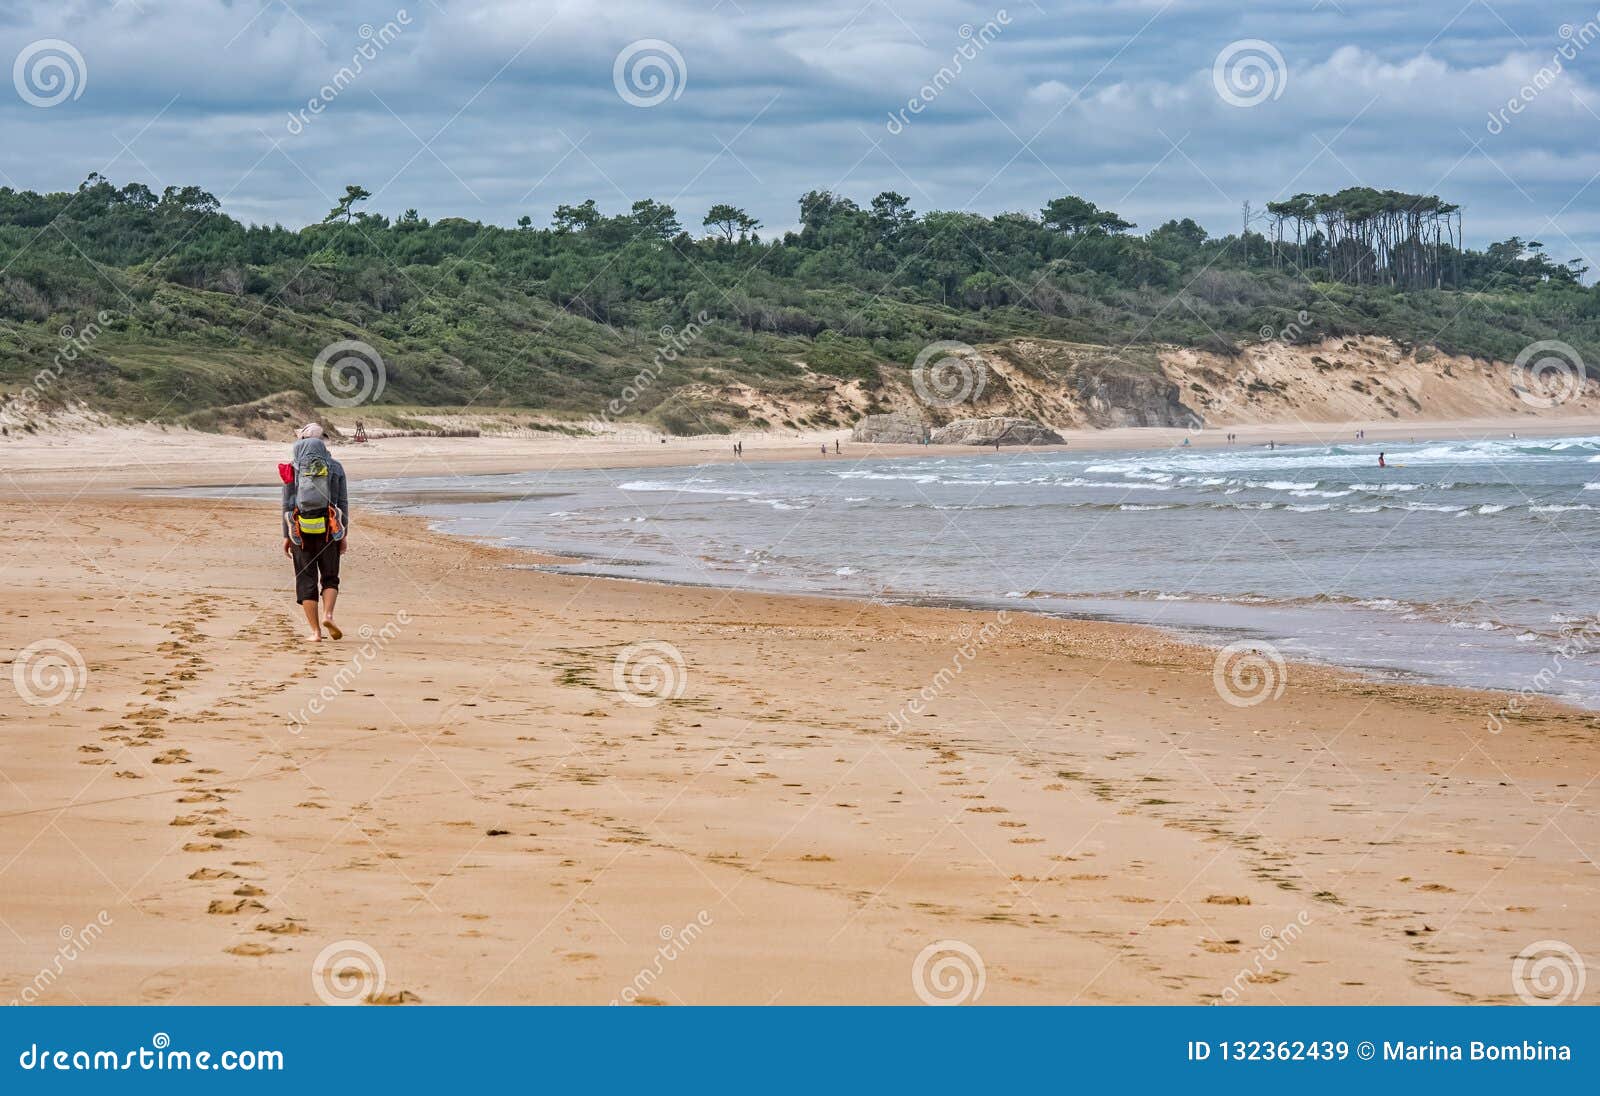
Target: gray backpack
<point>313,487</point>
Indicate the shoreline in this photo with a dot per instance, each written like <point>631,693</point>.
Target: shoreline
<point>593,454</point>
<point>485,792</point>
<point>147,456</point>
<point>1207,641</point>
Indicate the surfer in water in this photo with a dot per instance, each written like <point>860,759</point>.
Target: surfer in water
<point>1381,462</point>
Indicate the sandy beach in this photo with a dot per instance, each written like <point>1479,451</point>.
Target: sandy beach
<point>510,786</point>
<point>91,455</point>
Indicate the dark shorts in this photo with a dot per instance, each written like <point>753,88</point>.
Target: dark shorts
<point>317,559</point>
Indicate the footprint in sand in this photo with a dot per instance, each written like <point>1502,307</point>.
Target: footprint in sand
<point>213,873</point>
<point>244,905</point>
<point>251,948</point>
<point>398,997</point>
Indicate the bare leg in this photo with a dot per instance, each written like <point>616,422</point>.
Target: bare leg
<point>314,630</point>
<point>329,597</point>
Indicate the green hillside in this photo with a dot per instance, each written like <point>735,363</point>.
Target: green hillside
<point>161,306</point>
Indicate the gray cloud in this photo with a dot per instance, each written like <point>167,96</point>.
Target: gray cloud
<point>491,110</point>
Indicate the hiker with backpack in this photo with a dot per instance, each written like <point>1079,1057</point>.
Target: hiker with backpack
<point>316,508</point>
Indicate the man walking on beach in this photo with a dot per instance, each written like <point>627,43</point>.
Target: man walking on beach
<point>316,508</point>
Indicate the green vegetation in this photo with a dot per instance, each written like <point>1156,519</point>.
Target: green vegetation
<point>201,311</point>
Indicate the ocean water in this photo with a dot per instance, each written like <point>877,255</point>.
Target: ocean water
<point>1464,562</point>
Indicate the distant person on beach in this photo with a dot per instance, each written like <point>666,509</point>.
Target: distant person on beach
<point>836,446</point>
<point>316,509</point>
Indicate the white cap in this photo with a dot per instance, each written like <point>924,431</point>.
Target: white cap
<point>310,430</point>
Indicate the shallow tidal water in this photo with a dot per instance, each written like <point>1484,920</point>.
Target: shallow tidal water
<point>1464,562</point>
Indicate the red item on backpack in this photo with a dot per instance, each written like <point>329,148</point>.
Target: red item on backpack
<point>286,473</point>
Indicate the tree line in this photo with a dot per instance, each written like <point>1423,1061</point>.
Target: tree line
<point>558,313</point>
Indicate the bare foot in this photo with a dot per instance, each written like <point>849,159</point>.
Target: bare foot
<point>313,637</point>
<point>333,629</point>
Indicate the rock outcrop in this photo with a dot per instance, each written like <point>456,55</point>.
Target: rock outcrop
<point>896,428</point>
<point>1111,398</point>
<point>995,431</point>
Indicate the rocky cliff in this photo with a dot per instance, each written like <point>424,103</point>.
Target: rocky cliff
<point>896,428</point>
<point>995,431</point>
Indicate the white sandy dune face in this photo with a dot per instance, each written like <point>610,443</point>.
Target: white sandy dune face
<point>1294,387</point>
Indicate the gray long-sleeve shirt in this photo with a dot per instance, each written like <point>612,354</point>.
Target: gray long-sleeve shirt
<point>337,485</point>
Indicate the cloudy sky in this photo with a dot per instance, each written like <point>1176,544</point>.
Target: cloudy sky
<point>492,110</point>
